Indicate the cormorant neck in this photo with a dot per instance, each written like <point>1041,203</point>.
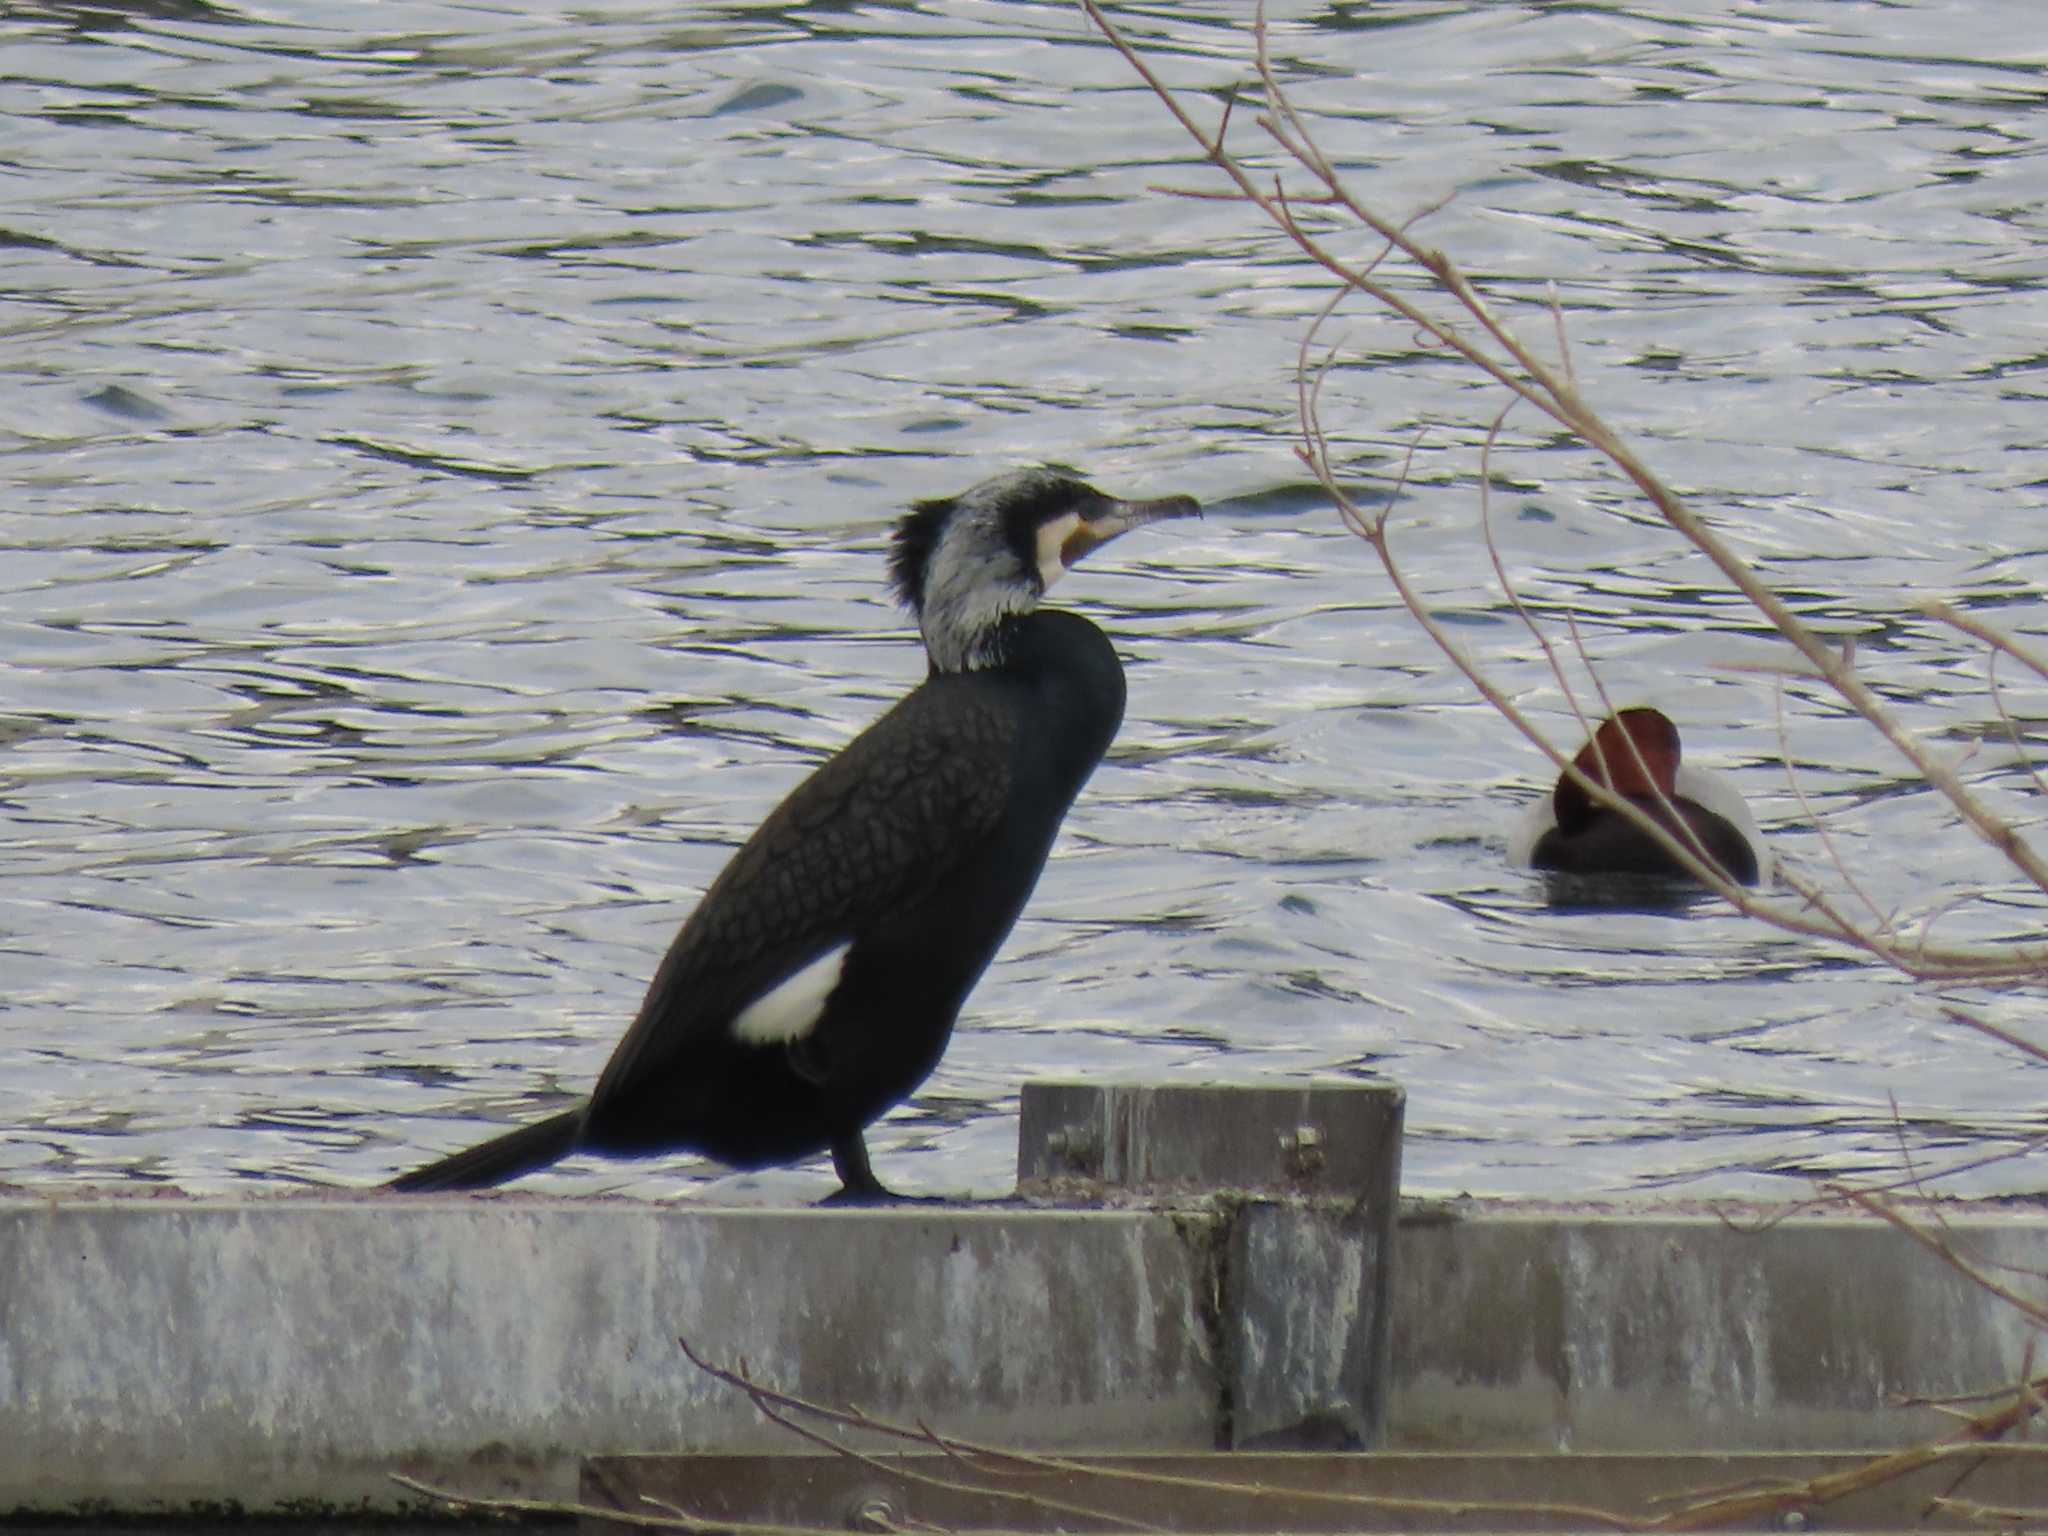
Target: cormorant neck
<point>1025,640</point>
<point>960,647</point>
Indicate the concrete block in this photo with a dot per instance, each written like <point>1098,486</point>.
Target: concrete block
<point>1320,1138</point>
<point>1307,1291</point>
<point>1306,1275</point>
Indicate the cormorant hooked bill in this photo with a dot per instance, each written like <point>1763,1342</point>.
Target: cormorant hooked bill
<point>816,983</point>
<point>1636,753</point>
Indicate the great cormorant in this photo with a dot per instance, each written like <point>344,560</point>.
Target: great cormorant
<point>816,983</point>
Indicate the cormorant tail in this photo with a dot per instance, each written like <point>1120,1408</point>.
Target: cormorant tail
<point>501,1158</point>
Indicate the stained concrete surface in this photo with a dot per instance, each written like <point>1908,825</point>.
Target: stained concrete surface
<point>157,1353</point>
<point>1644,1331</point>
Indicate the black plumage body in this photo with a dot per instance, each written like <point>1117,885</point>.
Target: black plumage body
<point>817,982</point>
<point>919,844</point>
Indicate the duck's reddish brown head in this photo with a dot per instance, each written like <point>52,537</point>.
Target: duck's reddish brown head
<point>1635,753</point>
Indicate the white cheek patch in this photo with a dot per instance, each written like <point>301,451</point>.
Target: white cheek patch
<point>791,1008</point>
<point>1052,543</point>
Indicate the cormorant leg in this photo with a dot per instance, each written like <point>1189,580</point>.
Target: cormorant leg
<point>858,1184</point>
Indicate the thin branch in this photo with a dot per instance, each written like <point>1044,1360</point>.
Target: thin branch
<point>1955,618</point>
<point>1494,349</point>
<point>1886,925</point>
<point>2004,1516</point>
<point>1092,1472</point>
<point>1997,1032</point>
<point>671,1519</point>
<point>2027,1306</point>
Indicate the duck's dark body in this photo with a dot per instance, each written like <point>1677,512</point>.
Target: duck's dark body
<point>893,873</point>
<point>1601,842</point>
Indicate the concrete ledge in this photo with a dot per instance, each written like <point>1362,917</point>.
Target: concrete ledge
<point>161,1353</point>
<point>1640,1331</point>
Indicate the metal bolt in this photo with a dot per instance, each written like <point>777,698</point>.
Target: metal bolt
<point>1078,1146</point>
<point>873,1513</point>
<point>1304,1151</point>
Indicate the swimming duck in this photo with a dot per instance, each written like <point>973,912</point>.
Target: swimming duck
<point>1636,752</point>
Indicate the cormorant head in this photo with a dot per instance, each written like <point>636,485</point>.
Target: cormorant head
<point>965,563</point>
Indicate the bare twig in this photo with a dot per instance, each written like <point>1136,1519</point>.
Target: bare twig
<point>1956,619</point>
<point>670,1518</point>
<point>2005,1517</point>
<point>989,1457</point>
<point>1478,336</point>
<point>1699,1511</point>
<point>1998,1032</point>
<point>2030,1307</point>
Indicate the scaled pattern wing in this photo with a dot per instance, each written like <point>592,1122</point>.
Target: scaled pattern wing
<point>875,830</point>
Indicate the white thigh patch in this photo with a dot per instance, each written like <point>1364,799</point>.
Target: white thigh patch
<point>791,1008</point>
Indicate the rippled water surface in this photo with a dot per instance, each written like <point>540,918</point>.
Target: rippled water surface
<point>449,449</point>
